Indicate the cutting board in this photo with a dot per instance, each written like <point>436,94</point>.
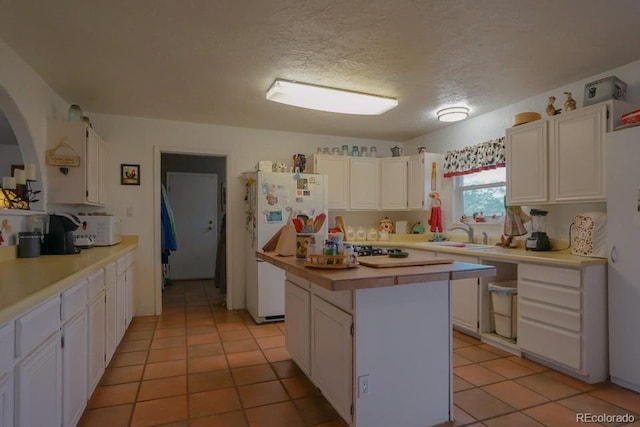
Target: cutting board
<point>412,260</point>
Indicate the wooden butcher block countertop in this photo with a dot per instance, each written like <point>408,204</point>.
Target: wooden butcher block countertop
<point>363,277</point>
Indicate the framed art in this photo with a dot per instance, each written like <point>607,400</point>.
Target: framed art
<point>129,174</point>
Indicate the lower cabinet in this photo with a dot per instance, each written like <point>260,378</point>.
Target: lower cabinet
<point>6,400</point>
<point>298,334</point>
<point>39,385</point>
<point>111,315</point>
<point>74,368</point>
<point>465,299</point>
<point>96,335</point>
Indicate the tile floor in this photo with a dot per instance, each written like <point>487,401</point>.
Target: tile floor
<point>198,364</point>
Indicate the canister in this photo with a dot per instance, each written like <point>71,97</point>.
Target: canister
<point>29,244</point>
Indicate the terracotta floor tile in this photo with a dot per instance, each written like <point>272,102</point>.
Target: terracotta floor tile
<point>128,346</point>
<point>277,354</point>
<point>139,327</point>
<point>271,342</point>
<point>264,331</point>
<point>477,375</point>
<point>229,419</point>
<point>207,363</point>
<point>286,369</point>
<point>239,346</point>
<point>458,343</point>
<point>124,374</point>
<point>211,380</point>
<point>460,417</point>
<point>253,374</point>
<point>262,394</point>
<point>162,387</point>
<point>552,414</point>
<point>226,317</point>
<point>111,395</point>
<point>168,342</point>
<point>515,394</point>
<point>476,354</point>
<point>495,350</point>
<point>480,404</point>
<point>213,402</point>
<point>166,354</point>
<point>507,368</point>
<point>535,367</point>
<point>619,396</point>
<point>547,387</point>
<point>572,382</point>
<point>232,326</point>
<point>210,338</point>
<point>517,419</point>
<point>335,423</point>
<point>247,358</point>
<point>241,334</point>
<point>315,410</point>
<point>276,415</point>
<point>588,403</point>
<point>136,336</point>
<point>111,416</point>
<point>197,330</point>
<point>172,332</point>
<point>467,338</point>
<point>128,359</point>
<point>143,319</point>
<point>170,324</point>
<point>200,322</point>
<point>298,387</point>
<point>460,361</point>
<point>459,384</point>
<point>202,350</point>
<point>160,411</point>
<point>170,368</point>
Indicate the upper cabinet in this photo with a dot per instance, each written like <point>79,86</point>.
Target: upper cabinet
<point>76,164</point>
<point>393,183</point>
<point>364,183</point>
<point>424,176</point>
<point>337,168</point>
<point>561,159</point>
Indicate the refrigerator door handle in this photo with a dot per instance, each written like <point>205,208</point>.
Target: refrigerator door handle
<point>613,255</point>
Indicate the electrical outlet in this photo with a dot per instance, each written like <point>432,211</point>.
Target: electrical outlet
<point>364,387</point>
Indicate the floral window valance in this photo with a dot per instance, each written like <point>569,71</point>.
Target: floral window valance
<point>483,156</point>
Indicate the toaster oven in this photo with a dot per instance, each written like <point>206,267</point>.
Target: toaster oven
<point>104,230</point>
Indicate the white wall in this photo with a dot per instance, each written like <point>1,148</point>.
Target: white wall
<point>492,125</point>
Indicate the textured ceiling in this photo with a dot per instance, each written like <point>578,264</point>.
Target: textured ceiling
<point>211,61</point>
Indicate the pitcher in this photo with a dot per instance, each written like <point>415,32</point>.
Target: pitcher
<point>396,151</point>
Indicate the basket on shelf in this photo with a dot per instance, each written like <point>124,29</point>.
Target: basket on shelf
<point>330,261</point>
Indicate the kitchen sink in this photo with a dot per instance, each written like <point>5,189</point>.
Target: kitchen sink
<point>461,245</point>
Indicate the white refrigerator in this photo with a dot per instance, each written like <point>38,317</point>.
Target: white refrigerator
<point>623,238</point>
<point>272,199</point>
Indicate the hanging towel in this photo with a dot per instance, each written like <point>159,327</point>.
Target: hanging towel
<point>513,221</point>
<point>435,219</point>
<point>169,242</point>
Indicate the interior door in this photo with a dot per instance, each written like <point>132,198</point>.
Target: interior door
<point>193,198</point>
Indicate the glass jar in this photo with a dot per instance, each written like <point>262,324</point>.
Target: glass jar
<point>345,150</point>
<point>355,152</point>
<point>335,151</point>
<point>364,152</point>
<point>319,150</point>
<point>325,150</point>
<point>373,151</point>
<point>75,113</point>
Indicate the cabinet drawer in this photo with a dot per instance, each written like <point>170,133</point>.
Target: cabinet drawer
<point>7,339</point>
<point>121,265</point>
<point>303,283</point>
<point>96,284</point>
<point>554,316</point>
<point>110,274</point>
<point>74,300</point>
<point>557,295</point>
<point>555,275</point>
<point>341,299</point>
<point>34,327</point>
<point>549,342</point>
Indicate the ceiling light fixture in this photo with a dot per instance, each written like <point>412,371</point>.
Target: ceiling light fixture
<point>328,99</point>
<point>453,114</point>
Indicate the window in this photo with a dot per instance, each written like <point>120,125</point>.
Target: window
<point>480,193</point>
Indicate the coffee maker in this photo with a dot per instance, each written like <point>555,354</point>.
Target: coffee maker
<point>539,240</point>
<point>59,238</point>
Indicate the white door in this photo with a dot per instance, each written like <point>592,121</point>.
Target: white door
<point>193,198</point>
<point>527,168</point>
<point>74,369</point>
<point>393,182</point>
<point>298,332</point>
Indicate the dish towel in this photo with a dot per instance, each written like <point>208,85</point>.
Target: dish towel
<point>435,220</point>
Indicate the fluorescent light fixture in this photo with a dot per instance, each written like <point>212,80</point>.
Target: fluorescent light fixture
<point>328,99</point>
<point>453,114</point>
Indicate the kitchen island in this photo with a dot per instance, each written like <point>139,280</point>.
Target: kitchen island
<point>375,341</point>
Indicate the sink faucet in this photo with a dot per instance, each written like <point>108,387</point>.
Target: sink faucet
<point>468,229</point>
<point>485,238</point>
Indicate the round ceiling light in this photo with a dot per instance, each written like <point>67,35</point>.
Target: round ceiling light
<point>453,114</point>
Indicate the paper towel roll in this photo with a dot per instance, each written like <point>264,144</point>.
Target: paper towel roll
<point>401,227</point>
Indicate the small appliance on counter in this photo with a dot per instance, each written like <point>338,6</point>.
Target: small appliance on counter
<point>589,235</point>
<point>59,238</point>
<point>103,230</point>
<point>539,240</point>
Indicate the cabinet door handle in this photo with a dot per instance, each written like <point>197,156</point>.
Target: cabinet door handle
<point>614,254</point>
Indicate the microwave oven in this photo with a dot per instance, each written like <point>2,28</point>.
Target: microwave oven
<point>105,230</point>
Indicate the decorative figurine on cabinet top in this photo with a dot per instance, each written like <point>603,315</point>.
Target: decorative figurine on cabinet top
<point>551,110</point>
<point>570,103</point>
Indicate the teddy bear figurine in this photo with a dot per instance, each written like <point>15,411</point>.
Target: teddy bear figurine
<point>570,103</point>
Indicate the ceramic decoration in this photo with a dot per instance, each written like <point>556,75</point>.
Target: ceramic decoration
<point>351,234</point>
<point>384,235</point>
<point>361,234</point>
<point>386,225</point>
<point>372,234</point>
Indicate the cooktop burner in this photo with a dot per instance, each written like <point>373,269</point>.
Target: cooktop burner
<point>369,250</point>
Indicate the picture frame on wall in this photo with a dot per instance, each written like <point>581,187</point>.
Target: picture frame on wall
<point>129,174</point>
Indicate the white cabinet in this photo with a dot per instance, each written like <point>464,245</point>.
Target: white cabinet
<point>337,169</point>
<point>74,368</point>
<point>96,318</point>
<point>393,183</point>
<point>424,176</point>
<point>562,318</point>
<point>121,310</point>
<point>39,386</point>
<point>82,184</point>
<point>298,333</point>
<point>526,158</point>
<point>111,315</point>
<point>6,400</point>
<point>465,298</point>
<point>331,354</point>
<point>364,183</point>
<point>129,288</point>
